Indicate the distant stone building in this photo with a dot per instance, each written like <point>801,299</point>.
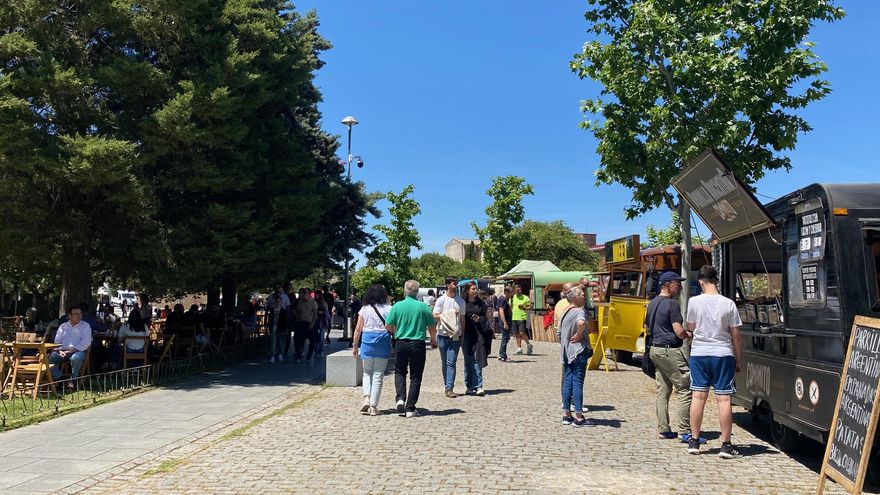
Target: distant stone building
<point>589,239</point>
<point>462,249</point>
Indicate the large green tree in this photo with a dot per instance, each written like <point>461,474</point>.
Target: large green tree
<point>557,243</point>
<point>500,243</point>
<point>431,269</point>
<point>171,145</point>
<point>392,254</point>
<point>678,77</point>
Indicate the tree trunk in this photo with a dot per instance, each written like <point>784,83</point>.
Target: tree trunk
<point>213,296</point>
<point>229,293</point>
<point>684,213</point>
<point>75,274</point>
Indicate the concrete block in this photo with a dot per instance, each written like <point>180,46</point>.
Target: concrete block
<point>343,369</point>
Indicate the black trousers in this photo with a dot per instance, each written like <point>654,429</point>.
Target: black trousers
<point>410,356</point>
<point>301,332</point>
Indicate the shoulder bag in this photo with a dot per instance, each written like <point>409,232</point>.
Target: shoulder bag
<point>648,367</point>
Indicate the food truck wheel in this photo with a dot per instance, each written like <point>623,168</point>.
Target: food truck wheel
<point>622,356</point>
<point>784,438</point>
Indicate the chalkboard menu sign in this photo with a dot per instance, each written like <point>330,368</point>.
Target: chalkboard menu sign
<point>855,415</point>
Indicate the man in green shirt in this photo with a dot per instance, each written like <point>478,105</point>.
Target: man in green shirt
<point>409,320</point>
<point>519,303</point>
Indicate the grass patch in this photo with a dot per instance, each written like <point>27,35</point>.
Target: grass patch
<point>170,465</point>
<point>167,466</point>
<point>24,411</point>
<point>274,414</point>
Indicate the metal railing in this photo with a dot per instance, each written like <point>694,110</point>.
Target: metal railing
<point>20,407</point>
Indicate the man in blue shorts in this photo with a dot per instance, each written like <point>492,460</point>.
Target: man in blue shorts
<point>716,354</point>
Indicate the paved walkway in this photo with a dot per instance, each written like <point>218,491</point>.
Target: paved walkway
<point>76,451</point>
<point>261,428</point>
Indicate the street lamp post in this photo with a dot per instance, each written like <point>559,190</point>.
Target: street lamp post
<point>350,122</point>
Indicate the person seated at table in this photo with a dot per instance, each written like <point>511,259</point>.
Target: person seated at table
<point>175,320</point>
<point>193,318</point>
<point>134,328</point>
<point>248,319</point>
<point>90,318</point>
<point>30,323</point>
<point>75,337</point>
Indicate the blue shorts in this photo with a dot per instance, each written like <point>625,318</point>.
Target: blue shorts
<point>715,372</point>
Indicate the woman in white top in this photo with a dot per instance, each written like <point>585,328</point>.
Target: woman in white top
<point>372,342</point>
<point>134,327</point>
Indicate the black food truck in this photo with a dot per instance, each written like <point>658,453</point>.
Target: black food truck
<point>799,269</point>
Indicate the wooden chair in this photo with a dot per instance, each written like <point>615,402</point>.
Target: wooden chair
<point>5,364</point>
<point>67,367</point>
<point>9,326</point>
<point>166,353</point>
<point>30,375</point>
<point>184,342</point>
<point>135,356</point>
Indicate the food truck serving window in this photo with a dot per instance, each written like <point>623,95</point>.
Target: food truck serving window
<point>626,283</point>
<point>871,231</point>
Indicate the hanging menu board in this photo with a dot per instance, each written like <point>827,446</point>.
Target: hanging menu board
<point>811,235</point>
<point>809,282</point>
<point>855,414</point>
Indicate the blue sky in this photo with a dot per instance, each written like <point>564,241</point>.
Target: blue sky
<point>452,93</point>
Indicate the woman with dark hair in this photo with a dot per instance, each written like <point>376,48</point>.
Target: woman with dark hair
<point>372,342</point>
<point>473,342</point>
<point>134,327</point>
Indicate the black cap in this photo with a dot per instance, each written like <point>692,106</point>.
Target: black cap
<point>667,277</point>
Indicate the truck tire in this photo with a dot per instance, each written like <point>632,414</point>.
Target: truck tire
<point>623,356</point>
<point>784,438</point>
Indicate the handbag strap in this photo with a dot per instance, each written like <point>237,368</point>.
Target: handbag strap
<point>564,315</point>
<point>378,313</point>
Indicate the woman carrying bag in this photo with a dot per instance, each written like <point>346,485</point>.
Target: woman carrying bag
<point>372,343</point>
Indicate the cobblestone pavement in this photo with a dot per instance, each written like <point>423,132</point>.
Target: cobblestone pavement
<point>507,442</point>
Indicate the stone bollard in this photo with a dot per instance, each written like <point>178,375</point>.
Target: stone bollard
<point>343,369</point>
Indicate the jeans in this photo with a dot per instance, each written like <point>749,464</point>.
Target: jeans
<point>573,382</point>
<point>448,356</point>
<point>505,338</point>
<point>410,355</point>
<point>374,370</point>
<point>76,361</point>
<point>473,373</point>
<point>673,373</point>
<point>276,341</point>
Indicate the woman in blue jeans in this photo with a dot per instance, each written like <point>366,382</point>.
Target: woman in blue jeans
<point>372,343</point>
<point>574,349</point>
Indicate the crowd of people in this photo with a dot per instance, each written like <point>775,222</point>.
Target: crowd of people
<point>306,314</point>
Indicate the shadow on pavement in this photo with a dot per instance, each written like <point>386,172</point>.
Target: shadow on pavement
<point>444,412</point>
<point>517,361</point>
<point>593,408</point>
<point>499,391</point>
<point>613,423</point>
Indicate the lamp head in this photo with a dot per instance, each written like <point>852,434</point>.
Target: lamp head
<point>360,162</point>
<point>350,121</point>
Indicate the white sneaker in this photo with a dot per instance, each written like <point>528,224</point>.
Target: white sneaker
<point>374,411</point>
<point>412,414</point>
<point>400,406</point>
<point>272,359</point>
<point>366,406</point>
<point>518,350</point>
<point>280,358</point>
<point>480,392</point>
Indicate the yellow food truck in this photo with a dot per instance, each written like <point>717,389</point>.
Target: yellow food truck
<point>629,283</point>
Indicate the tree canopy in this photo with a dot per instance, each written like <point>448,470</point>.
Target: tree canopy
<point>168,145</point>
<point>680,77</point>
<point>393,253</point>
<point>500,243</point>
<point>556,242</point>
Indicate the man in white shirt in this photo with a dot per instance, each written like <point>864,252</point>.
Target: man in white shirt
<point>716,354</point>
<point>449,315</point>
<point>75,337</point>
